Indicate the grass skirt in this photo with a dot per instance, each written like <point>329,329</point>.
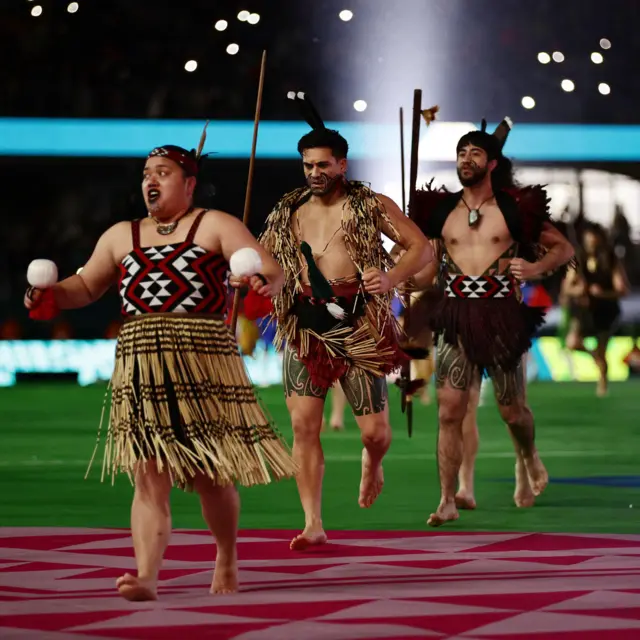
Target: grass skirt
<point>180,394</point>
<point>493,332</point>
<point>330,348</point>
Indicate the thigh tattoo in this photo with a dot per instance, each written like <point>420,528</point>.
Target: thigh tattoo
<point>297,379</point>
<point>452,367</point>
<point>508,386</point>
<point>365,394</point>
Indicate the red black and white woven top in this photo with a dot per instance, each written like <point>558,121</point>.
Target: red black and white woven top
<point>174,278</point>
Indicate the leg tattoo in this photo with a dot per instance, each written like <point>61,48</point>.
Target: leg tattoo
<point>509,386</point>
<point>297,379</point>
<point>454,380</point>
<point>510,390</point>
<point>366,395</point>
<point>452,367</point>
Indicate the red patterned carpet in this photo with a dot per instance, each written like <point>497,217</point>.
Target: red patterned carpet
<point>58,584</point>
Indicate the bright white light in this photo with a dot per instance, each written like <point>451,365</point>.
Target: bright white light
<point>544,58</point>
<point>191,65</point>
<point>254,18</point>
<point>558,56</point>
<point>36,11</point>
<point>604,88</point>
<point>359,105</point>
<point>221,25</point>
<point>243,16</point>
<point>597,58</point>
<point>605,43</point>
<point>528,102</point>
<point>73,7</point>
<point>232,49</point>
<point>345,15</point>
<point>568,85</point>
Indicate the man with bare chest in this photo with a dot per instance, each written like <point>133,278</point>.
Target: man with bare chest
<point>334,313</point>
<point>492,235</point>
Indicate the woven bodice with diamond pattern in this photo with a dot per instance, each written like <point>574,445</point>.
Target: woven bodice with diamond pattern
<point>491,284</point>
<point>175,278</point>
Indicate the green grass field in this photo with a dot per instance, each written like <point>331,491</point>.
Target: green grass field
<point>47,435</point>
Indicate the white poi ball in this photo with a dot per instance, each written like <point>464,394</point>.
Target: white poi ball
<point>245,262</point>
<point>42,274</point>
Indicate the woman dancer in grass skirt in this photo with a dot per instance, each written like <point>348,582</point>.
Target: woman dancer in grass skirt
<point>183,410</point>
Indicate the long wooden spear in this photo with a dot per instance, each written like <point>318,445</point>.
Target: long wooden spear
<point>247,198</point>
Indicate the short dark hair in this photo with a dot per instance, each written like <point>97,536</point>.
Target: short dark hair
<point>329,138</point>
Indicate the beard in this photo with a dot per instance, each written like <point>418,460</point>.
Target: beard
<point>323,185</point>
<point>473,174</point>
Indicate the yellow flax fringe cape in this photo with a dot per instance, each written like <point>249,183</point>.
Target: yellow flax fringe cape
<point>362,220</point>
<point>186,369</point>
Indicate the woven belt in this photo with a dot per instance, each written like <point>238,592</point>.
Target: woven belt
<point>502,286</point>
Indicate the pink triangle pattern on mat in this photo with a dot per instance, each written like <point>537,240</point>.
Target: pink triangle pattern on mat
<point>60,584</point>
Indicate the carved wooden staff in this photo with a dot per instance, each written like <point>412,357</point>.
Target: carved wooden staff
<point>247,198</point>
<point>429,115</point>
<point>407,398</point>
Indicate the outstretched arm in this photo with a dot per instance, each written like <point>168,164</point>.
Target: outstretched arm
<point>98,274</point>
<point>418,251</point>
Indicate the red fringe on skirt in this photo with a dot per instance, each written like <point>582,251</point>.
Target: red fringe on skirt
<point>325,369</point>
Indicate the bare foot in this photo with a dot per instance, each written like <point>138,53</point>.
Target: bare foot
<point>538,476</point>
<point>310,537</point>
<point>135,590</point>
<point>523,495</point>
<point>371,483</point>
<point>465,500</point>
<point>446,512</point>
<point>336,426</point>
<point>225,575</point>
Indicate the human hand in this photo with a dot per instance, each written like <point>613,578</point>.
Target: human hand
<point>523,270</point>
<point>261,285</point>
<point>32,297</point>
<point>238,282</point>
<point>376,281</point>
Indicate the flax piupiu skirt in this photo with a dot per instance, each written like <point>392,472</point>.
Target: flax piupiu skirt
<point>180,394</point>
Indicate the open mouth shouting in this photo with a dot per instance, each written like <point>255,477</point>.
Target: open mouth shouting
<point>153,194</point>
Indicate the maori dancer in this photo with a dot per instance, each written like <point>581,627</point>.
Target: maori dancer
<point>493,236</point>
<point>420,336</point>
<point>183,411</point>
<point>334,312</point>
<point>593,294</point>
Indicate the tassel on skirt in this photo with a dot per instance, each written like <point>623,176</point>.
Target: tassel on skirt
<point>180,394</point>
